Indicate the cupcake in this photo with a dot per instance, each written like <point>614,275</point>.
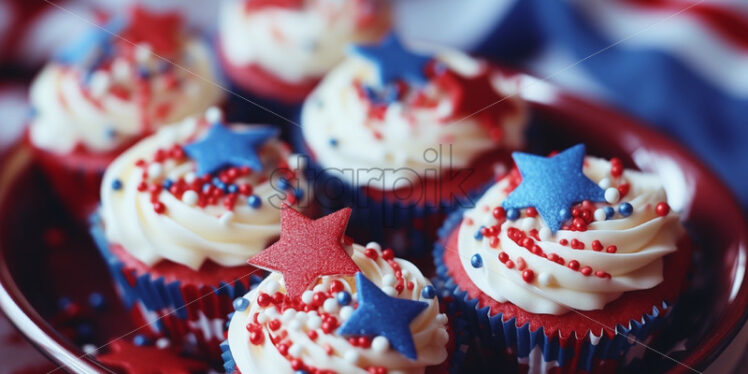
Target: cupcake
<point>406,136</point>
<point>114,86</point>
<point>330,306</point>
<point>275,51</point>
<point>566,262</point>
<point>182,211</point>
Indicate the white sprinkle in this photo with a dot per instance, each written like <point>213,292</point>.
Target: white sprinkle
<point>313,322</point>
<point>442,318</point>
<point>89,349</point>
<point>162,343</point>
<point>271,312</point>
<point>121,70</point>
<point>307,296</point>
<point>297,161</point>
<point>544,233</point>
<point>288,315</point>
<point>346,312</point>
<point>545,279</point>
<point>319,288</point>
<point>190,177</point>
<point>612,195</point>
<point>351,356</point>
<point>442,337</point>
<point>528,223</point>
<point>271,286</point>
<point>301,316</point>
<point>190,197</point>
<point>99,83</point>
<point>330,305</point>
<point>489,220</point>
<point>374,245</point>
<point>294,325</point>
<point>600,214</point>
<point>389,291</point>
<point>294,350</point>
<point>604,183</point>
<point>213,115</point>
<point>380,344</point>
<point>226,218</point>
<point>388,279</point>
<point>154,170</point>
<point>143,52</point>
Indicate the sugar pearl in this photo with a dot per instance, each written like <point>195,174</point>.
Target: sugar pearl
<point>313,322</point>
<point>600,214</point>
<point>288,315</point>
<point>330,305</point>
<point>319,288</point>
<point>270,286</point>
<point>388,280</point>
<point>527,223</point>
<point>294,350</point>
<point>213,115</point>
<point>612,195</point>
<point>374,245</point>
<point>162,343</point>
<point>89,349</point>
<point>346,312</point>
<point>271,312</point>
<point>545,279</point>
<point>489,220</point>
<point>351,356</point>
<point>380,344</point>
<point>294,325</point>
<point>154,170</point>
<point>121,70</point>
<point>604,183</point>
<point>226,218</point>
<point>190,197</point>
<point>307,296</point>
<point>389,291</point>
<point>143,52</point>
<point>99,83</point>
<point>190,177</point>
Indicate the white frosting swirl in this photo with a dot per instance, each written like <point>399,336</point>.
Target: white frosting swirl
<point>409,140</point>
<point>186,233</point>
<point>429,332</point>
<point>71,113</point>
<point>296,44</point>
<point>641,239</point>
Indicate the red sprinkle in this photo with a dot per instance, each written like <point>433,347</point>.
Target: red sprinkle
<point>528,275</point>
<point>509,264</point>
<point>623,189</point>
<point>662,209</point>
<point>503,257</point>
<point>531,212</point>
<point>371,253</point>
<point>597,246</point>
<point>499,213</point>
<point>602,274</point>
<point>387,254</point>
<point>573,265</point>
<point>611,249</point>
<point>586,271</point>
<point>159,207</point>
<point>274,324</point>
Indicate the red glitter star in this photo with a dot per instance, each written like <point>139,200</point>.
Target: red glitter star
<point>477,96</point>
<point>307,249</point>
<point>133,359</point>
<point>254,5</point>
<point>159,30</point>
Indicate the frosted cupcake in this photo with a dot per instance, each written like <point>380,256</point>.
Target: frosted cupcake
<point>275,51</point>
<point>183,210</point>
<point>333,306</point>
<point>405,136</point>
<point>106,91</point>
<point>558,254</point>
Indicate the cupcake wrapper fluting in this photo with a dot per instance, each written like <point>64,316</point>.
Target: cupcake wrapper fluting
<point>540,352</point>
<point>189,315</point>
<point>408,228</point>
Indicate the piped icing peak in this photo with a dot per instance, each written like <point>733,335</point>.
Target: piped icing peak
<point>385,319</point>
<point>120,82</point>
<point>158,204</point>
<point>615,230</point>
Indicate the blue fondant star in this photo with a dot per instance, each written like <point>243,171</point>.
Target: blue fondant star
<point>394,62</point>
<point>552,185</point>
<point>95,40</point>
<point>381,315</point>
<point>222,148</point>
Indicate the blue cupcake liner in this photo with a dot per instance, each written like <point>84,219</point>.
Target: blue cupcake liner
<point>495,336</point>
<point>402,226</point>
<point>157,295</point>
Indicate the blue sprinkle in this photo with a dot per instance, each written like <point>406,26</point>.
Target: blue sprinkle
<point>298,193</point>
<point>167,184</point>
<point>96,300</point>
<point>512,214</point>
<point>254,201</point>
<point>140,340</point>
<point>333,142</point>
<point>479,234</point>
<point>283,184</point>
<point>143,73</point>
<point>625,209</point>
<point>609,212</point>
<point>116,184</point>
<point>232,188</point>
<point>63,303</point>
<point>219,184</point>
<point>111,133</point>
<point>301,372</point>
<point>241,304</point>
<point>428,292</point>
<point>344,298</point>
<point>206,187</point>
<point>476,261</point>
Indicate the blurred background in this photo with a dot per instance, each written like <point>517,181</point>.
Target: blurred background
<point>679,65</point>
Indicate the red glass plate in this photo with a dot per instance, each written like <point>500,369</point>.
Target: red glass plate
<point>45,255</point>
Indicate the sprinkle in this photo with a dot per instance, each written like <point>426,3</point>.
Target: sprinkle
<point>604,183</point>
<point>96,300</point>
<point>343,297</point>
<point>390,291</point>
<point>140,340</point>
<point>512,214</point>
<point>241,304</point>
<point>528,275</point>
<point>213,115</point>
<point>374,245</point>
<point>226,218</point>
<point>544,279</point>
<point>586,271</point>
<point>476,261</point>
<point>159,207</point>
<point>479,233</point>
<point>155,169</point>
<point>283,184</point>
<point>190,197</point>
<point>162,343</point>
<point>307,296</point>
<point>330,305</point>
<point>625,209</point>
<point>346,312</point>
<point>662,209</point>
<point>232,188</point>
<point>380,344</point>
<point>611,249</point>
<point>116,184</point>
<point>600,214</point>
<point>428,292</point>
<point>609,212</point>
<point>612,195</point>
<point>333,142</point>
<point>254,201</point>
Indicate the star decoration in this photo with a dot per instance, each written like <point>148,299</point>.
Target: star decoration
<point>159,30</point>
<point>476,95</point>
<point>552,185</point>
<point>133,359</point>
<point>394,62</point>
<point>381,315</point>
<point>222,148</point>
<point>307,249</point>
<point>93,43</point>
